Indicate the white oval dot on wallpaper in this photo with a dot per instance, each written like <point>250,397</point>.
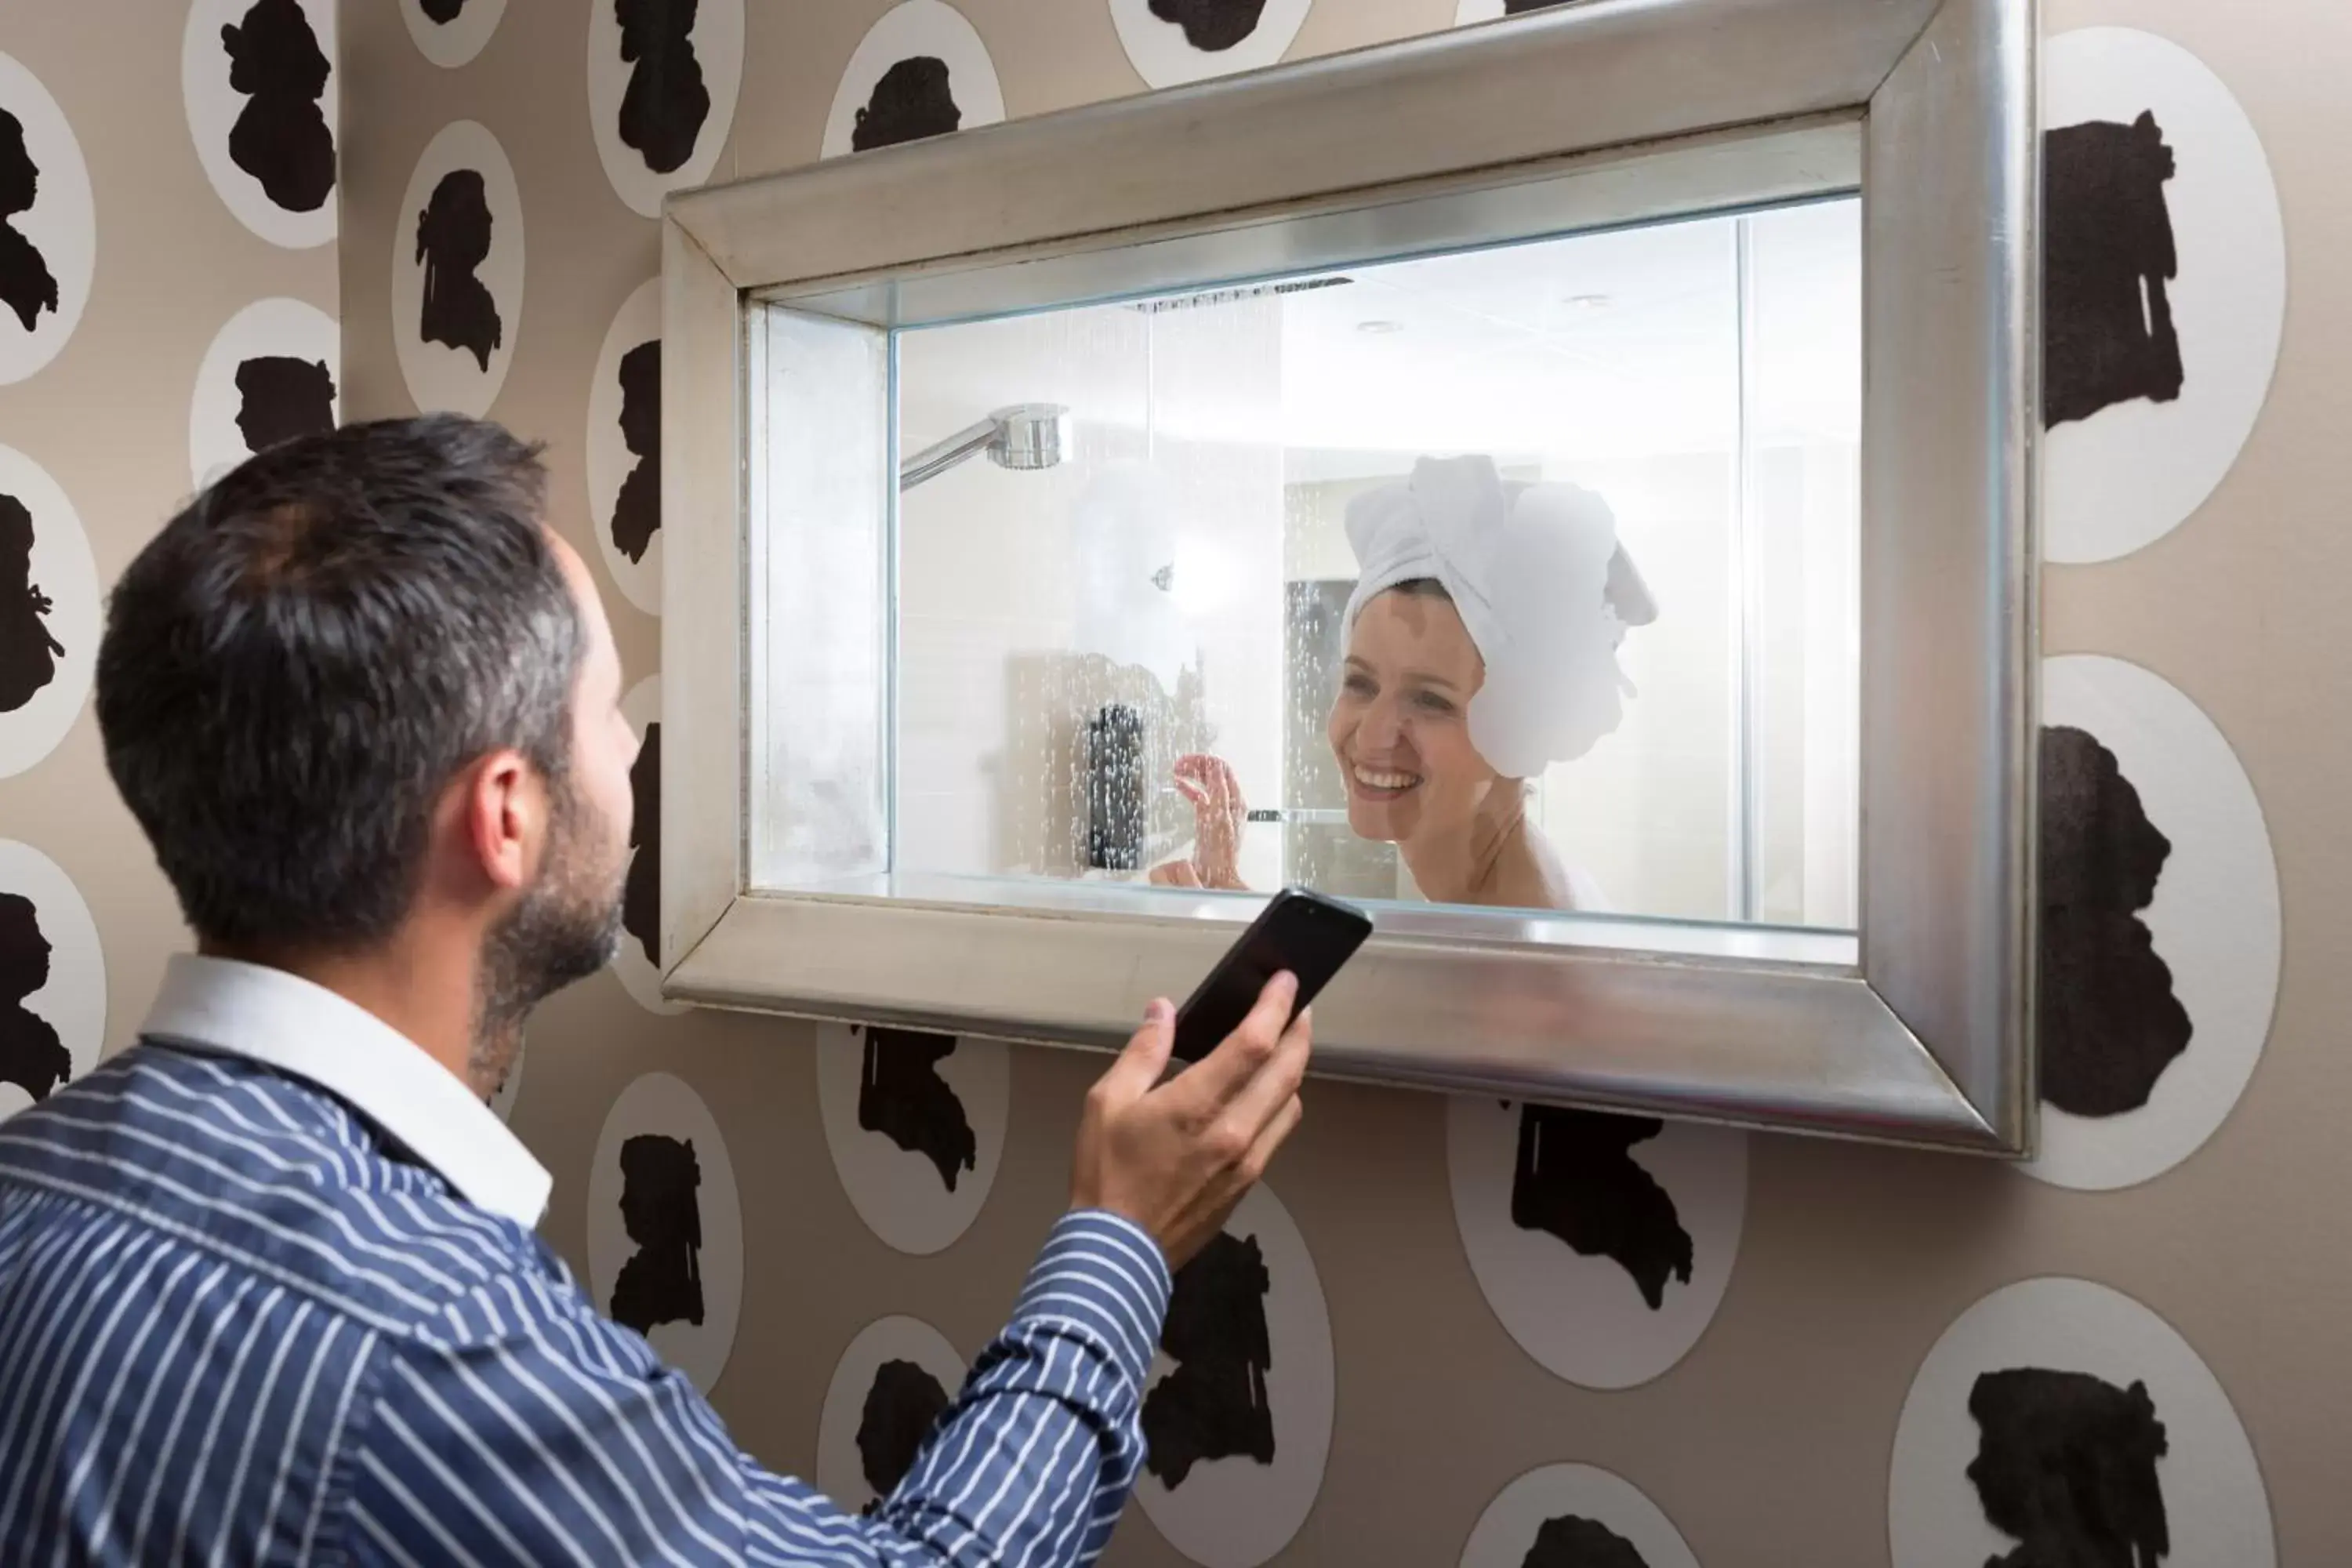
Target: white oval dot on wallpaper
<point>259,79</point>
<point>2059,1421</point>
<point>451,32</point>
<point>49,226</point>
<point>457,272</point>
<point>638,964</point>
<point>889,1388</point>
<point>919,71</point>
<point>1230,1476</point>
<point>271,374</point>
<point>1466,12</point>
<point>665,1226</point>
<point>52,979</point>
<point>1574,1514</point>
<point>623,448</point>
<point>916,1126</point>
<point>2164,288</point>
<point>1603,1243</point>
<point>663,75</point>
<point>503,1100</point>
<point>1171,42</point>
<point>49,614</point>
<point>2159,925</point>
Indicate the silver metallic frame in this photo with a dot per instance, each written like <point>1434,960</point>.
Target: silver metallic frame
<point>1919,1029</point>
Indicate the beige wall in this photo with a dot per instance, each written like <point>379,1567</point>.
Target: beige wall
<point>107,418</point>
<point>1770,1442</point>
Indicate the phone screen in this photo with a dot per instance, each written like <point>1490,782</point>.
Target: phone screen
<point>1307,934</point>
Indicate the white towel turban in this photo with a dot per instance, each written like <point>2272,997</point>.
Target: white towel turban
<point>1542,585</point>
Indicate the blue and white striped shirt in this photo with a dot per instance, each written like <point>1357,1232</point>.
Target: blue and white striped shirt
<point>245,1319</point>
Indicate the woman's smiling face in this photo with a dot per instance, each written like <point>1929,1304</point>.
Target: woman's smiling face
<point>1399,726</point>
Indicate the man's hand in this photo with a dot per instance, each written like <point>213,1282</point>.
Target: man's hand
<point>1176,1158</point>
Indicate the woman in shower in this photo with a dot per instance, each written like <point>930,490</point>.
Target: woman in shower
<point>1482,643</point>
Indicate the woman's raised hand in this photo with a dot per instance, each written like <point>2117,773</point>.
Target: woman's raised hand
<point>1219,814</point>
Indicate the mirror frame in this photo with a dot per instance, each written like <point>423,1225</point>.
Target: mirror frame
<point>1925,1036</point>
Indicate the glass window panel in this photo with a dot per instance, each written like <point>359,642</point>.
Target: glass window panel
<point>820,734</point>
<point>1804,511</point>
<point>1131,593</point>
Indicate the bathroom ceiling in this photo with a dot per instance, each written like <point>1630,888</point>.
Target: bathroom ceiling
<point>1611,344</point>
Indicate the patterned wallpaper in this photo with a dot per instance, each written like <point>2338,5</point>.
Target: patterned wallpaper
<point>1517,1336</point>
<point>168,208</point>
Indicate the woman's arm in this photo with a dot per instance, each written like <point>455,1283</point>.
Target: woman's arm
<point>1219,814</point>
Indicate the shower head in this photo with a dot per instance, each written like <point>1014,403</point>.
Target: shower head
<point>1031,435</point>
<point>1024,437</point>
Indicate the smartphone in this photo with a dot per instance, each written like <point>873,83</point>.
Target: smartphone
<point>1306,934</point>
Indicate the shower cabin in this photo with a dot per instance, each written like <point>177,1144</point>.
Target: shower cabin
<point>1155,566</point>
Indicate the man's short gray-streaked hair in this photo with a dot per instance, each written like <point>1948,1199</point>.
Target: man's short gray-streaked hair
<point>295,668</point>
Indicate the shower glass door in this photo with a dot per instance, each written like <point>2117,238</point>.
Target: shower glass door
<point>1132,589</point>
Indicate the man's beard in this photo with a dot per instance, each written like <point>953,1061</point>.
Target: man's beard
<point>566,928</point>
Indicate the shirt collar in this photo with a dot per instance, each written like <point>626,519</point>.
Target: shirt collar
<point>285,1021</point>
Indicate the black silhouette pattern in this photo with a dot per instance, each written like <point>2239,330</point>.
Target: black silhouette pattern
<point>453,239</point>
<point>2066,1464</point>
<point>2107,256</point>
<point>1571,1540</point>
<point>902,1407</point>
<point>28,653</point>
<point>2110,1025</point>
<point>641,895</point>
<point>1211,27</point>
<point>901,1095</point>
<point>662,1280</point>
<point>280,397</point>
<point>31,1056</point>
<point>1576,1179</point>
<point>637,510</point>
<point>441,13</point>
<point>27,287</point>
<point>912,100</point>
<point>1213,1404</point>
<point>663,110</point>
<point>282,139</point>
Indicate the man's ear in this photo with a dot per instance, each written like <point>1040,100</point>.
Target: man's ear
<point>502,805</point>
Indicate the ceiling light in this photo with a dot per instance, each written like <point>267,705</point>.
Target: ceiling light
<point>1379,329</point>
<point>1588,301</point>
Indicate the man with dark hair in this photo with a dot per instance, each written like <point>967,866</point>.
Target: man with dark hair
<point>269,1285</point>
